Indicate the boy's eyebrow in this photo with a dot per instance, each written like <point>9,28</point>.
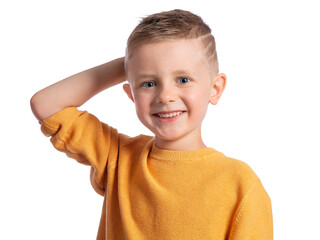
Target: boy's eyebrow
<point>181,72</point>
<point>144,75</point>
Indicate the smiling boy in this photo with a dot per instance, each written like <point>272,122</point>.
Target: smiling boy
<point>163,82</point>
<point>170,186</point>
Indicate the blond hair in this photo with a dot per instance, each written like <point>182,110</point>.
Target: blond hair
<point>173,25</point>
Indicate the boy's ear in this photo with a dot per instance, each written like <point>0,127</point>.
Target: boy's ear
<point>219,83</point>
<point>127,89</point>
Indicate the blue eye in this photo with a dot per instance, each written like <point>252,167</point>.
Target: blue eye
<point>148,84</point>
<point>183,80</point>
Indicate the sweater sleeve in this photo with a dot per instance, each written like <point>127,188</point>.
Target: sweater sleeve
<point>83,137</point>
<point>253,218</point>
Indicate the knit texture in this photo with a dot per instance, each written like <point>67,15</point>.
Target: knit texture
<point>151,193</point>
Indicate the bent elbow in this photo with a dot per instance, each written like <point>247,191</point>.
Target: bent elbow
<point>35,105</point>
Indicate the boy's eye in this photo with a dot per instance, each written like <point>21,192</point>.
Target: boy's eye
<point>183,80</point>
<point>148,84</point>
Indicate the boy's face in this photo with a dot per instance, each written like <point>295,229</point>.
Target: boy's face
<point>171,86</point>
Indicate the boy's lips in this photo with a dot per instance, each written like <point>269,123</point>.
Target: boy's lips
<point>168,114</point>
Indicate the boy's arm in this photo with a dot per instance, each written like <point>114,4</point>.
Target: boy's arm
<point>253,218</point>
<point>77,89</point>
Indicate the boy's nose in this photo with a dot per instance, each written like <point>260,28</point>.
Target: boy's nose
<point>166,95</point>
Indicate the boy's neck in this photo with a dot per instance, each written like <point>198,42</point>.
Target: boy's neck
<point>179,145</point>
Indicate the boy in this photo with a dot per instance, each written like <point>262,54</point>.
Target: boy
<point>170,186</point>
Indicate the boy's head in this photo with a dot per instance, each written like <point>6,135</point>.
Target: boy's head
<point>173,25</point>
<point>172,69</point>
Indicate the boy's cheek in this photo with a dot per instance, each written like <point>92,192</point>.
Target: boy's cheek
<point>141,106</point>
<point>198,97</point>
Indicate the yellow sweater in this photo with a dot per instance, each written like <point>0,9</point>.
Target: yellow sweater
<point>151,193</point>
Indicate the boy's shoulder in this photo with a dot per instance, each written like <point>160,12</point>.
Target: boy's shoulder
<point>237,171</point>
<point>242,169</point>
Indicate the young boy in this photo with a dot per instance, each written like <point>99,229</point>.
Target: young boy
<point>170,186</point>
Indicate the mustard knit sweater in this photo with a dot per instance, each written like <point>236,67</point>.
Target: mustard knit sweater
<point>151,193</point>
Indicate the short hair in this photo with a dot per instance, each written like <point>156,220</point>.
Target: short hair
<point>173,25</point>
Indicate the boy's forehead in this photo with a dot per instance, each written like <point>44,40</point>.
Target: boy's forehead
<point>174,55</point>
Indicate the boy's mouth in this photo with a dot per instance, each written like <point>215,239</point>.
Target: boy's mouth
<point>168,114</point>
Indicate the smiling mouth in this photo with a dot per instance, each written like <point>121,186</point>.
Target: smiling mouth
<point>168,115</point>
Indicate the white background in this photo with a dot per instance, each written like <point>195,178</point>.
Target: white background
<point>268,115</point>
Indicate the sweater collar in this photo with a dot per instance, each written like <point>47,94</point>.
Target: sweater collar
<point>170,155</point>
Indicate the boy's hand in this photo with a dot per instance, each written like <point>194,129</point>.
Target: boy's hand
<point>77,89</point>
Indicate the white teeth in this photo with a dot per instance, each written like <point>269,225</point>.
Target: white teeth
<point>169,115</point>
